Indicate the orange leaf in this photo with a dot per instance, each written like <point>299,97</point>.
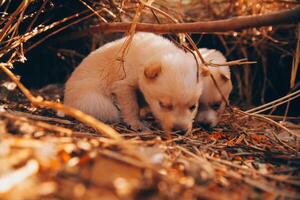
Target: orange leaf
<point>238,158</point>
<point>216,136</point>
<point>256,137</point>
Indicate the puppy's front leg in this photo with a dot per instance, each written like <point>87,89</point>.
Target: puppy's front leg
<point>127,100</point>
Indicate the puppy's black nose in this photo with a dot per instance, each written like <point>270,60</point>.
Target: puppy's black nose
<point>206,126</point>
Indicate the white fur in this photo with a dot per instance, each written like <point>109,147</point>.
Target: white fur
<point>206,114</point>
<point>100,75</point>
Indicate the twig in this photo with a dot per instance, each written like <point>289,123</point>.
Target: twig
<point>267,105</point>
<point>77,114</point>
<point>276,124</point>
<point>94,11</point>
<point>12,17</point>
<point>228,163</point>
<point>38,117</point>
<point>39,123</point>
<point>237,23</point>
<point>279,117</point>
<point>126,45</point>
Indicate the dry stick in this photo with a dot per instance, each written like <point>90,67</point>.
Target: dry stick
<point>281,1</point>
<point>37,15</point>
<point>77,114</point>
<point>273,104</point>
<point>8,24</point>
<point>38,117</point>
<point>235,23</point>
<point>294,70</point>
<point>14,28</point>
<point>231,164</point>
<point>95,12</point>
<point>274,177</point>
<point>40,124</point>
<point>291,125</point>
<point>276,124</point>
<point>24,38</point>
<point>126,45</point>
<point>296,61</point>
<point>59,30</point>
<point>280,117</point>
<point>286,110</point>
<point>131,31</point>
<point>51,34</point>
<point>242,61</point>
<point>257,109</point>
<point>278,104</point>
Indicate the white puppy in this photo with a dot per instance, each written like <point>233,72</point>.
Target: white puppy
<point>211,104</point>
<point>165,75</point>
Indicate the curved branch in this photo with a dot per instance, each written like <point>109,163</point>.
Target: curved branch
<point>77,114</point>
<point>236,23</point>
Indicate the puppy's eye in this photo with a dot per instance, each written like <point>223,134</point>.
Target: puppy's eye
<point>193,107</point>
<point>165,106</point>
<point>216,105</point>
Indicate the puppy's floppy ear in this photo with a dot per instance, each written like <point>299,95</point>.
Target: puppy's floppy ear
<point>152,70</point>
<point>224,77</point>
<point>204,71</point>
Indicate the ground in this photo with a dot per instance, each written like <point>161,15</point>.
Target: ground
<point>44,156</point>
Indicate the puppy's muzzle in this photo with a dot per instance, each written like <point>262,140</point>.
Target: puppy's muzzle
<point>179,129</point>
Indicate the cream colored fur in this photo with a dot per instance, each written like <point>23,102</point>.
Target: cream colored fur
<point>100,76</point>
<point>207,115</point>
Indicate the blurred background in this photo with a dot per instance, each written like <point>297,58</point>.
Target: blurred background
<point>52,56</point>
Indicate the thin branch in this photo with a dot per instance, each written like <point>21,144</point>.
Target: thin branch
<point>235,23</point>
<point>12,17</point>
<point>269,105</point>
<point>266,119</point>
<point>77,114</point>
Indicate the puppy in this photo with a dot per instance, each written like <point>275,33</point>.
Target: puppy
<point>165,75</point>
<point>211,104</point>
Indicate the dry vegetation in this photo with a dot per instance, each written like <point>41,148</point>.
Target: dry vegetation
<point>250,155</point>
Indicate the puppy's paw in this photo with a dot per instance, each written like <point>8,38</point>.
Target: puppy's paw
<point>138,126</point>
<point>144,112</point>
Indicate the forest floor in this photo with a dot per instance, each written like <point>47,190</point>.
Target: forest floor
<point>44,156</point>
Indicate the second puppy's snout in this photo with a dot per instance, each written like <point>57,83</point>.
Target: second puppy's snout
<point>206,125</point>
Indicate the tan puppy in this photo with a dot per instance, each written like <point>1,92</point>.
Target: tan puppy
<point>165,75</point>
<point>211,104</point>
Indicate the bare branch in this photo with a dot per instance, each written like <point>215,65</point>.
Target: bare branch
<point>236,23</point>
<point>77,114</point>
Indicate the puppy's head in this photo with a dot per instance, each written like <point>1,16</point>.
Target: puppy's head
<point>211,104</point>
<point>169,85</point>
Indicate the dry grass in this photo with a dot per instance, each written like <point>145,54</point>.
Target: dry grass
<point>244,157</point>
<point>249,155</point>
